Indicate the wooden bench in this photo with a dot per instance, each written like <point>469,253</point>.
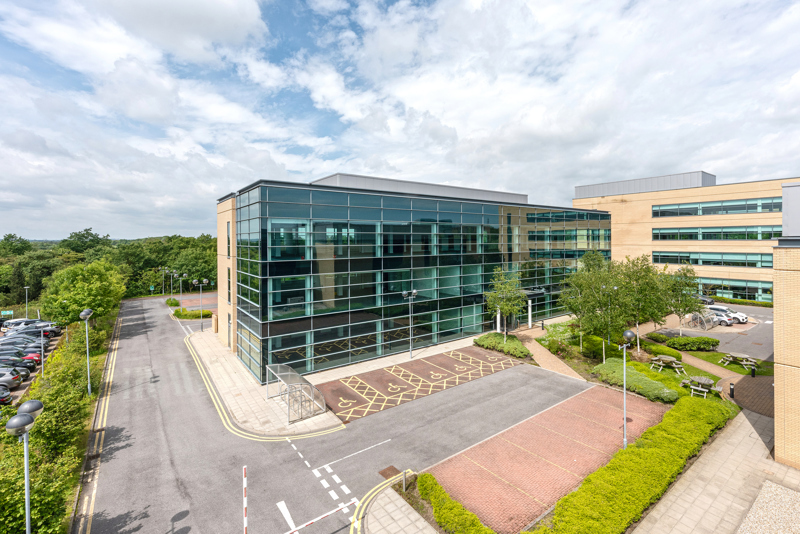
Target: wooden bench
<point>699,391</point>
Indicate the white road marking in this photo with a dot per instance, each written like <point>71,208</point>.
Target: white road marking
<point>316,472</point>
<point>307,464</point>
<point>190,329</point>
<point>333,495</point>
<point>767,322</point>
<point>300,454</point>
<point>328,469</point>
<point>337,479</point>
<point>344,510</point>
<point>345,490</point>
<point>327,466</point>
<point>286,515</point>
<point>324,483</point>
<point>294,447</point>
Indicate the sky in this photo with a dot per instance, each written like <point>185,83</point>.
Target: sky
<point>134,117</point>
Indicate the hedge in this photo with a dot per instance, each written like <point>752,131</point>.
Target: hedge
<point>661,350</point>
<point>593,348</point>
<point>611,372</point>
<point>693,343</point>
<point>449,514</point>
<point>614,496</point>
<point>183,313</point>
<point>173,302</point>
<point>655,336</point>
<point>494,341</point>
<point>743,302</point>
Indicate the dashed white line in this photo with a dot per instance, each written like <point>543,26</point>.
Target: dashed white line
<point>293,446</point>
<point>345,509</point>
<point>345,490</point>
<point>328,469</point>
<point>316,472</point>
<point>307,464</point>
<point>333,495</point>
<point>325,483</point>
<point>337,479</point>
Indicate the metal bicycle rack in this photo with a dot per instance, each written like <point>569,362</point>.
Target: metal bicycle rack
<point>302,399</point>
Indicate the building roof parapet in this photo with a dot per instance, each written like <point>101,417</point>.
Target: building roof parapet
<point>669,182</point>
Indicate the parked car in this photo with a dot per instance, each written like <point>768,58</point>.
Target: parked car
<point>34,330</point>
<point>13,361</point>
<point>722,318</point>
<point>27,354</point>
<point>738,317</point>
<point>5,396</point>
<point>704,299</point>
<point>23,373</point>
<point>11,323</point>
<point>9,377</point>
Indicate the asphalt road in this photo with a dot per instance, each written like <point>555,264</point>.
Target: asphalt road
<point>169,465</point>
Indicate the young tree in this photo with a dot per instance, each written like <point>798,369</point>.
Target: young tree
<point>643,291</point>
<point>14,245</point>
<point>97,286</point>
<point>84,240</point>
<point>679,288</point>
<point>506,295</point>
<point>17,283</point>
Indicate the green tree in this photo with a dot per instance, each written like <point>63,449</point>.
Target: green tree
<point>679,288</point>
<point>84,240</point>
<point>13,245</point>
<point>17,283</point>
<point>642,292</point>
<point>98,286</point>
<point>506,295</point>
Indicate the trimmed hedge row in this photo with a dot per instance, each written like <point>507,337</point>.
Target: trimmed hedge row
<point>655,336</point>
<point>449,514</point>
<point>183,313</point>
<point>611,372</point>
<point>614,496</point>
<point>743,302</point>
<point>661,350</point>
<point>512,347</point>
<point>693,343</point>
<point>173,302</point>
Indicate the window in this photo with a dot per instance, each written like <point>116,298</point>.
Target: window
<point>735,233</point>
<point>726,207</point>
<point>726,259</point>
<point>229,285</point>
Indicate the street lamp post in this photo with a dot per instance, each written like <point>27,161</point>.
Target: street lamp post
<point>26,301</point>
<point>410,296</point>
<point>180,283</point>
<point>201,284</point>
<point>19,426</point>
<point>171,278</point>
<point>85,314</point>
<point>629,337</point>
<point>41,337</point>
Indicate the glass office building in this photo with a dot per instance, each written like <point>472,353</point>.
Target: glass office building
<point>320,269</point>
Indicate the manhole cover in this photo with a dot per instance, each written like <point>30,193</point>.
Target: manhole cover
<point>389,472</point>
<point>757,343</point>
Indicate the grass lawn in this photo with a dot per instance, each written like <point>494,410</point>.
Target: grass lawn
<point>765,369</point>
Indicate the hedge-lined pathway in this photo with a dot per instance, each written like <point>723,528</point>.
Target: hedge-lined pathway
<point>513,478</point>
<point>715,493</point>
<point>541,355</point>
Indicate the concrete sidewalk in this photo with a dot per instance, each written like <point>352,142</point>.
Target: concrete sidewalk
<point>389,513</point>
<point>542,356</point>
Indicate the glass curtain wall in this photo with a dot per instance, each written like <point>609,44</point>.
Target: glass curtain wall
<point>320,273</point>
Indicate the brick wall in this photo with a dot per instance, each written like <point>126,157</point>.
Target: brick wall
<point>787,355</point>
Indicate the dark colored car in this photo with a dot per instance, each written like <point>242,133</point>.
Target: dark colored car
<point>13,361</point>
<point>34,330</point>
<point>5,396</point>
<point>26,354</point>
<point>708,301</point>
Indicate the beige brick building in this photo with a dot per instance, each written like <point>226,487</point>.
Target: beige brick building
<point>226,271</point>
<point>787,334</point>
<point>726,232</point>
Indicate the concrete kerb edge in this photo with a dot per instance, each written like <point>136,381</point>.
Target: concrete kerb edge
<point>116,332</point>
<point>509,428</point>
<point>233,420</point>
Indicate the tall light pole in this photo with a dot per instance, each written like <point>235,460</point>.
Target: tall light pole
<point>629,337</point>
<point>163,270</point>
<point>174,274</point>
<point>180,282</point>
<point>26,301</point>
<point>19,426</point>
<point>201,284</point>
<point>410,297</point>
<point>85,314</point>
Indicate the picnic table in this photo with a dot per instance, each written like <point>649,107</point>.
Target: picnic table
<point>742,359</point>
<point>702,385</point>
<point>667,361</point>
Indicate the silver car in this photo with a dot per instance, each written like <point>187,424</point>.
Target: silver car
<point>10,378</point>
<point>738,317</point>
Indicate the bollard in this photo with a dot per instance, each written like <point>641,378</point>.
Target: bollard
<point>731,389</point>
<point>753,372</point>
<point>542,324</point>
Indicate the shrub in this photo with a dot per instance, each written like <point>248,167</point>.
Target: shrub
<point>661,350</point>
<point>593,348</point>
<point>614,496</point>
<point>693,343</point>
<point>611,372</point>
<point>563,332</point>
<point>183,313</point>
<point>449,514</point>
<point>562,349</point>
<point>655,336</point>
<point>743,302</point>
<point>494,341</point>
<point>173,302</point>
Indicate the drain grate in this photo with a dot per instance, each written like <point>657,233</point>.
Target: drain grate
<point>389,472</point>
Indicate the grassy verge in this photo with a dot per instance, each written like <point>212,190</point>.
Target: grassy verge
<point>614,496</point>
<point>765,368</point>
<point>183,313</point>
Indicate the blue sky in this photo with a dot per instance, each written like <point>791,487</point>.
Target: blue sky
<point>133,117</point>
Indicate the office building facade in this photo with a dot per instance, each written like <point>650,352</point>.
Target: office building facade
<point>316,272</point>
<point>726,232</point>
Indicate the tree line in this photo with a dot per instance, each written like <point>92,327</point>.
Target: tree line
<point>132,263</point>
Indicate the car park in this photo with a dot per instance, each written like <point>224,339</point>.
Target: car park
<point>13,361</point>
<point>5,396</point>
<point>12,323</point>
<point>738,317</point>
<point>722,318</point>
<point>9,377</point>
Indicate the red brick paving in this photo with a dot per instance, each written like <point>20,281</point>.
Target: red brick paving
<point>514,477</point>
